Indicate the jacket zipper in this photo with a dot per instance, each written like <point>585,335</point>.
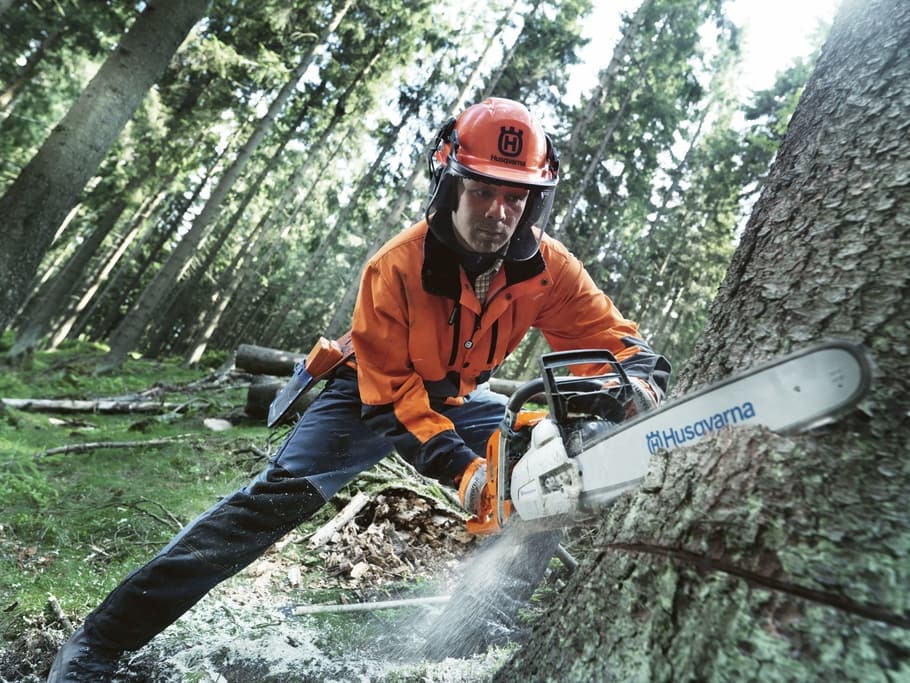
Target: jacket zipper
<point>455,322</point>
<point>494,334</point>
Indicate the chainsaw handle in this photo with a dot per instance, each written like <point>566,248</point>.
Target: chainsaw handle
<point>549,362</point>
<point>523,394</point>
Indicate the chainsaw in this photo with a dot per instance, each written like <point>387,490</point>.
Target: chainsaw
<point>558,466</point>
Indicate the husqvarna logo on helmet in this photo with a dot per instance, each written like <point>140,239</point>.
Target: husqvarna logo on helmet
<point>510,141</point>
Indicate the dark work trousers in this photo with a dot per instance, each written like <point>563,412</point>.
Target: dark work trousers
<point>326,450</point>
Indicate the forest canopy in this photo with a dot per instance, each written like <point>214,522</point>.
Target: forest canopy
<point>234,194</point>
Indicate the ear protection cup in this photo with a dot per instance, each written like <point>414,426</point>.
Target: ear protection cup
<point>436,162</point>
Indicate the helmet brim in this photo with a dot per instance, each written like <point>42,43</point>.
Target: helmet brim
<point>502,176</point>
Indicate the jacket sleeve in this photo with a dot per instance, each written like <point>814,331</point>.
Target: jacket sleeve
<point>395,402</point>
<point>579,315</point>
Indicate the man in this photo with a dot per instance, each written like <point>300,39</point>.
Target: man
<point>440,307</point>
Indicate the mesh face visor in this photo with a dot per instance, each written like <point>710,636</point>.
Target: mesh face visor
<point>533,222</point>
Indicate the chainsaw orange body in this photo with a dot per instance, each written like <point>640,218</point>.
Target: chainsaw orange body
<point>488,520</point>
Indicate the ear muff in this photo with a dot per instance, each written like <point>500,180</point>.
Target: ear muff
<point>552,156</point>
<point>436,155</point>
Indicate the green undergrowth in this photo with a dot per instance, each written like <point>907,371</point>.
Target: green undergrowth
<point>73,524</point>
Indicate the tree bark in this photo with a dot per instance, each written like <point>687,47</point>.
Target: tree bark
<point>49,185</point>
<point>759,557</point>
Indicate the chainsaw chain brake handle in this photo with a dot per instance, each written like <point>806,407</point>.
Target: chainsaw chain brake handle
<point>558,389</point>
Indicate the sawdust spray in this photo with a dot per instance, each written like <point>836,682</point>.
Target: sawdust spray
<point>496,582</point>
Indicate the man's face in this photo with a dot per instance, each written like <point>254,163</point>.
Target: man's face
<point>487,214</point>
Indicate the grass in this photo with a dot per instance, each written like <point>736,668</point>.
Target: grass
<point>73,525</point>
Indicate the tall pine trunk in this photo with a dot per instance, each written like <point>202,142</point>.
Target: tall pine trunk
<point>34,206</point>
<point>754,556</point>
<point>131,328</point>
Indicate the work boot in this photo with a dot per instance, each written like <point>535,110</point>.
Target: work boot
<point>83,660</point>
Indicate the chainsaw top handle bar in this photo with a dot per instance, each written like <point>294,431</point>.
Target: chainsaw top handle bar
<point>550,362</point>
<point>549,382</point>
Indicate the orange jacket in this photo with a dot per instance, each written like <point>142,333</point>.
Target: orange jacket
<point>421,337</point>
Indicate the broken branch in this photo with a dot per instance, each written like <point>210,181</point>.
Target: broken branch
<point>325,532</point>
<point>42,405</point>
<point>60,614</point>
<point>301,610</point>
<point>83,447</point>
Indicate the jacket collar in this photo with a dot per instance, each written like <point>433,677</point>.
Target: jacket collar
<point>440,273</point>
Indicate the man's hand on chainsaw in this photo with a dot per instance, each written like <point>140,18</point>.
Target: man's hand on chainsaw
<point>472,488</point>
<point>643,398</point>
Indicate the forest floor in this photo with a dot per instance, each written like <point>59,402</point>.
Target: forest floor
<point>75,522</point>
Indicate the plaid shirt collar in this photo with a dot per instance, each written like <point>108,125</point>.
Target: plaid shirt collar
<point>482,283</point>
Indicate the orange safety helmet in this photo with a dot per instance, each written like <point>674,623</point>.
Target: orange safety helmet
<point>497,141</point>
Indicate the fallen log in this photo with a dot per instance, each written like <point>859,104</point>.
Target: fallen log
<point>43,405</point>
<point>270,365</point>
<point>264,387</point>
<point>261,360</point>
<point>262,392</point>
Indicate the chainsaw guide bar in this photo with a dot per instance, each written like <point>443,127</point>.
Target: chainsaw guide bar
<point>555,482</point>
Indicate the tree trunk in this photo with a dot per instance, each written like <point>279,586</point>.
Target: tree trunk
<point>489,88</point>
<point>211,318</point>
<point>468,85</point>
<point>341,316</point>
<point>596,101</point>
<point>759,557</point>
<point>131,328</point>
<point>130,268</point>
<point>53,302</point>
<point>108,262</point>
<point>49,185</point>
<point>186,295</point>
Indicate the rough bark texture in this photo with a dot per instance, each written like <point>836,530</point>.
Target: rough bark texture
<point>756,557</point>
<point>49,186</point>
